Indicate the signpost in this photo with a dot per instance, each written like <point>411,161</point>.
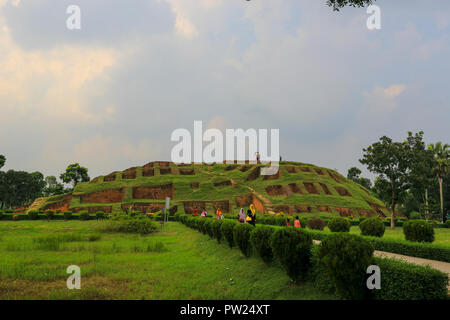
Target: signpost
<point>166,210</point>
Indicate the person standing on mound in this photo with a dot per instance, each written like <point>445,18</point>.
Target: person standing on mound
<point>297,222</point>
<point>241,216</point>
<point>250,218</point>
<point>218,213</point>
<point>195,211</point>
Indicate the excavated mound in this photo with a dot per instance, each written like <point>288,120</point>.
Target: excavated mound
<point>110,177</point>
<point>325,188</point>
<point>291,169</point>
<point>195,185</point>
<point>310,188</point>
<point>104,196</point>
<point>187,172</point>
<point>94,209</point>
<point>223,183</point>
<point>129,173</point>
<point>155,192</point>
<point>276,190</point>
<point>342,191</point>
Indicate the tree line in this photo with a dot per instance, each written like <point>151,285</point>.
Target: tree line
<point>411,175</point>
<point>21,188</point>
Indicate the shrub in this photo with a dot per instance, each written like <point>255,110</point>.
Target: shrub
<point>346,258</point>
<point>67,215</point>
<point>9,211</point>
<point>241,234</point>
<point>447,223</point>
<point>201,225</point>
<point>138,225</point>
<point>100,215</point>
<point>217,232</point>
<point>227,231</point>
<point>418,230</point>
<point>134,213</point>
<point>49,214</point>
<point>405,281</point>
<point>316,224</point>
<point>414,215</point>
<point>84,215</point>
<point>292,247</point>
<point>33,214</point>
<point>372,227</point>
<point>338,224</point>
<point>269,219</point>
<point>1,214</point>
<point>260,240</point>
<point>15,217</point>
<point>208,226</point>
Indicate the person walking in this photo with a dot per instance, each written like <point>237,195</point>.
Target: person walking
<point>195,211</point>
<point>297,222</point>
<point>218,213</point>
<point>241,216</point>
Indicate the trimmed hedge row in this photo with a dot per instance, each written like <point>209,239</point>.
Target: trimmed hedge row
<point>334,266</point>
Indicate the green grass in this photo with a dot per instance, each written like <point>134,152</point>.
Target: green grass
<point>174,263</point>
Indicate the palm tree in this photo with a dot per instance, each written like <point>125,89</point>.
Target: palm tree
<point>442,166</point>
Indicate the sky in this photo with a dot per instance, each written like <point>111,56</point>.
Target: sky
<point>109,95</point>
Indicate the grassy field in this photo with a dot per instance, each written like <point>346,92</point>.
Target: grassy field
<point>174,263</point>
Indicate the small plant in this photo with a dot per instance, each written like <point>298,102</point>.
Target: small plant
<point>292,247</point>
<point>241,234</point>
<point>316,224</point>
<point>372,227</point>
<point>338,224</point>
<point>418,230</point>
<point>49,214</point>
<point>33,214</point>
<point>227,231</point>
<point>67,215</point>
<point>260,240</point>
<point>216,229</point>
<point>100,215</point>
<point>84,215</point>
<point>346,258</point>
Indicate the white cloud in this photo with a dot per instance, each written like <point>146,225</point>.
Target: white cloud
<point>382,100</point>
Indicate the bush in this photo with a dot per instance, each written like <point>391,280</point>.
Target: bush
<point>447,223</point>
<point>241,234</point>
<point>227,231</point>
<point>292,247</point>
<point>217,232</point>
<point>201,225</point>
<point>346,258</point>
<point>1,214</point>
<point>84,215</point>
<point>405,281</point>
<point>418,230</point>
<point>372,227</point>
<point>9,211</point>
<point>49,214</point>
<point>67,215</point>
<point>260,240</point>
<point>208,226</point>
<point>33,214</point>
<point>316,224</point>
<point>414,215</point>
<point>100,215</point>
<point>139,225</point>
<point>338,224</point>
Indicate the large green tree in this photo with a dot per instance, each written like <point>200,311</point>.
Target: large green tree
<point>74,174</point>
<point>2,160</point>
<point>441,167</point>
<point>19,188</point>
<point>53,186</point>
<point>390,160</point>
<point>354,174</point>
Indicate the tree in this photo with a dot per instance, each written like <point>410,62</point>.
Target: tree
<point>338,4</point>
<point>74,174</point>
<point>354,174</point>
<point>441,167</point>
<point>2,160</point>
<point>389,159</point>
<point>53,186</point>
<point>18,188</point>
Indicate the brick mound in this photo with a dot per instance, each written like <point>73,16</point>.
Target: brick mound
<point>95,180</point>
<point>61,203</point>
<point>300,208</point>
<point>244,200</point>
<point>110,177</point>
<point>129,173</point>
<point>154,192</point>
<point>342,191</point>
<point>276,190</point>
<point>324,208</point>
<point>187,172</point>
<point>294,188</point>
<point>195,185</point>
<point>291,169</point>
<point>377,209</point>
<point>148,172</point>
<point>310,188</point>
<point>254,174</point>
<point>225,183</point>
<point>305,169</point>
<point>91,210</point>
<point>344,212</point>
<point>224,206</point>
<point>142,207</point>
<point>231,167</point>
<point>164,171</point>
<point>336,177</point>
<point>245,168</point>
<point>282,208</point>
<point>273,176</point>
<point>325,189</point>
<point>104,196</point>
<point>319,171</point>
<point>366,213</point>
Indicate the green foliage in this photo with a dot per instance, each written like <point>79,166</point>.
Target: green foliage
<point>33,214</point>
<point>418,230</point>
<point>67,215</point>
<point>346,258</point>
<point>2,160</point>
<point>339,224</point>
<point>74,174</point>
<point>227,231</point>
<point>19,188</point>
<point>216,226</point>
<point>292,247</point>
<point>405,281</point>
<point>372,227</point>
<point>100,215</point>
<point>49,214</point>
<point>201,225</point>
<point>208,226</point>
<point>126,224</point>
<point>1,214</point>
<point>9,211</point>
<point>316,224</point>
<point>84,215</point>
<point>414,215</point>
<point>241,234</point>
<point>260,240</point>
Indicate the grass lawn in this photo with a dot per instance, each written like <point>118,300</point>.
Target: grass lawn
<point>175,263</point>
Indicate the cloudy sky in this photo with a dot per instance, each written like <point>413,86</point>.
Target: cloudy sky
<point>109,95</point>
